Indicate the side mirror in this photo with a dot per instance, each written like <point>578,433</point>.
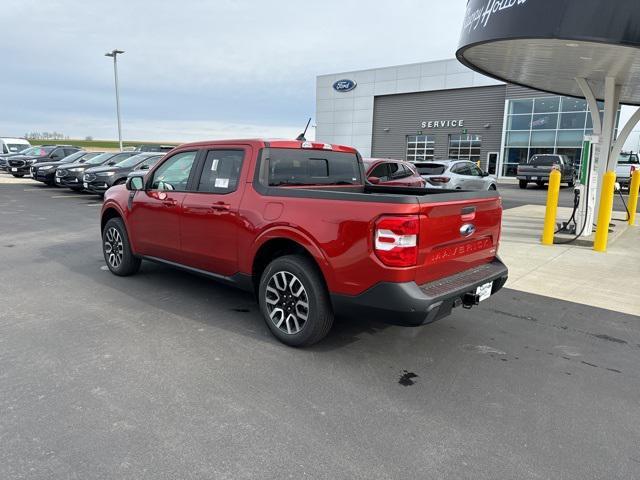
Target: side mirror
<point>374,180</point>
<point>144,167</point>
<point>135,183</point>
<point>111,163</point>
<point>485,174</point>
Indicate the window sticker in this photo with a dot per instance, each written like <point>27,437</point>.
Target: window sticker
<point>214,165</point>
<point>222,182</point>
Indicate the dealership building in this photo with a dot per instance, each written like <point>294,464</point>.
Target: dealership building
<point>440,110</point>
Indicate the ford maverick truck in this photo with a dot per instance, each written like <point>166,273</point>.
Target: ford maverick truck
<point>296,223</point>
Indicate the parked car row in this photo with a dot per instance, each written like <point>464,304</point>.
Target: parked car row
<point>71,167</point>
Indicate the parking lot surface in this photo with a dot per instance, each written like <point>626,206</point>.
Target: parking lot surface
<point>166,375</point>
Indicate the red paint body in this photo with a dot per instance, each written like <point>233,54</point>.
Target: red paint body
<point>221,233</point>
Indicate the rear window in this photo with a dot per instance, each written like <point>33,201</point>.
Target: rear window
<point>628,159</point>
<point>309,167</point>
<point>430,168</point>
<point>545,161</point>
<point>17,147</point>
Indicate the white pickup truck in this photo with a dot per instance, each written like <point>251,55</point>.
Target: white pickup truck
<point>627,163</point>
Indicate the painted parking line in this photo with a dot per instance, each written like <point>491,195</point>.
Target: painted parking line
<point>69,196</point>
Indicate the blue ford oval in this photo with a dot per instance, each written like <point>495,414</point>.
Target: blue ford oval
<point>344,85</point>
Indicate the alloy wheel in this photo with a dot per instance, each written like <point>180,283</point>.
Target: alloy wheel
<point>113,247</point>
<point>287,302</point>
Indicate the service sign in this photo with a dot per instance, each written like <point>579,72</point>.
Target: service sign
<point>442,124</point>
<point>344,85</point>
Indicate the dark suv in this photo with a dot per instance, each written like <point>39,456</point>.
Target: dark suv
<point>100,179</point>
<point>20,165</point>
<point>71,175</point>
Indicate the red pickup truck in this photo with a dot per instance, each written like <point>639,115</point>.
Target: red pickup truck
<point>297,223</point>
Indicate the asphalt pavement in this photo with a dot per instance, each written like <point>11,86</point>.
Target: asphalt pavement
<point>166,375</point>
<point>513,196</point>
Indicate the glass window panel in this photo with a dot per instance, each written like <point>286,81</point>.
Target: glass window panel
<point>574,154</point>
<point>545,122</point>
<point>543,139</point>
<point>570,121</point>
<point>519,122</point>
<point>570,138</point>
<point>540,151</point>
<point>573,105</point>
<point>546,105</point>
<point>518,139</point>
<point>520,106</point>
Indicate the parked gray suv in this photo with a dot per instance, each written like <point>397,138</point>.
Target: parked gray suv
<point>538,169</point>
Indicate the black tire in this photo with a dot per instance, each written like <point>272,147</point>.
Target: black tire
<point>571,183</point>
<point>127,264</point>
<point>319,313</point>
<point>18,175</point>
<point>492,187</point>
<point>523,184</point>
<point>76,189</point>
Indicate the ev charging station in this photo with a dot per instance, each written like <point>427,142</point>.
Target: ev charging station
<point>587,186</point>
<point>581,48</point>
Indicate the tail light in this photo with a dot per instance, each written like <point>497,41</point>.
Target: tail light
<point>396,240</point>
<point>439,179</point>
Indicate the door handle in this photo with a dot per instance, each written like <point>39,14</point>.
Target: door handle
<point>169,203</point>
<point>220,206</point>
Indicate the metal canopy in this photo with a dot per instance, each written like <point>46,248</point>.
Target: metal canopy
<point>553,65</point>
<point>547,44</point>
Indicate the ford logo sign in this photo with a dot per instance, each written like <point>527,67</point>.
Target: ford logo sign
<point>344,85</point>
<point>467,229</point>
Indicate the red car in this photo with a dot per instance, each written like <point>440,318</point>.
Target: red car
<point>385,171</point>
<point>296,223</point>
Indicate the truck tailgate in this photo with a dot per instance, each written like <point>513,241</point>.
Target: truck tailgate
<point>456,236</point>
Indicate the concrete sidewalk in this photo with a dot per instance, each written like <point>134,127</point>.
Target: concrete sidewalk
<point>574,273</point>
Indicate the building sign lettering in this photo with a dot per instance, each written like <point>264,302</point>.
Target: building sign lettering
<point>480,16</point>
<point>442,124</point>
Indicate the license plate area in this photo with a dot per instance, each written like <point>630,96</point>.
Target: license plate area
<point>484,291</point>
<point>14,169</point>
<point>85,185</point>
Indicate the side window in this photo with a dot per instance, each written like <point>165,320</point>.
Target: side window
<point>4,148</point>
<point>403,171</point>
<point>395,170</point>
<point>475,171</point>
<point>221,171</point>
<point>381,172</point>
<point>57,154</point>
<point>69,151</point>
<point>174,173</point>
<point>464,169</point>
<point>148,163</point>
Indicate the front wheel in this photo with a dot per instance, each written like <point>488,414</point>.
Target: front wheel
<point>492,187</point>
<point>523,184</point>
<point>294,301</point>
<point>18,175</point>
<point>117,250</point>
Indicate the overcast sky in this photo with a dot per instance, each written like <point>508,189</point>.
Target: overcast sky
<point>199,69</point>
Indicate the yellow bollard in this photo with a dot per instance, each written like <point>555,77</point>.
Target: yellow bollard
<point>633,196</point>
<point>552,208</point>
<point>604,215</point>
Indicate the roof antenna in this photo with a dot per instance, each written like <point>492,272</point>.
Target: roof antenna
<point>301,137</point>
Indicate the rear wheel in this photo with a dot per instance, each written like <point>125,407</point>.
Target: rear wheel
<point>492,187</point>
<point>523,184</point>
<point>540,184</point>
<point>294,301</point>
<point>117,250</point>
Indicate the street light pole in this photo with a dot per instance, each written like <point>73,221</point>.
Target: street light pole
<point>114,54</point>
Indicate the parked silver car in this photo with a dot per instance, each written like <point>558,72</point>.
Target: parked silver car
<point>455,175</point>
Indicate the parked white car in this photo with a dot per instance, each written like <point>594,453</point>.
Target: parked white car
<point>627,163</point>
<point>455,175</point>
<point>13,145</point>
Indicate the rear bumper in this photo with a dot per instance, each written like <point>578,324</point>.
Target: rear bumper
<point>410,304</point>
